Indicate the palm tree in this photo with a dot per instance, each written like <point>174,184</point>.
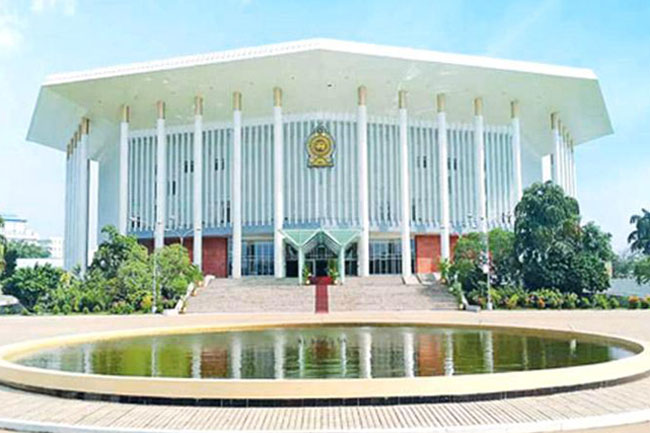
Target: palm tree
<point>639,239</point>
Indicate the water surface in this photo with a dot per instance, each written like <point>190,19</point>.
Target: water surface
<point>328,352</point>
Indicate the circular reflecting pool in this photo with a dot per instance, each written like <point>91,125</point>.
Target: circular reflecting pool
<point>329,352</point>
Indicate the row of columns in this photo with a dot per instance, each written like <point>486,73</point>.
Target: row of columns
<point>563,157</point>
<point>278,180</point>
<point>77,200</point>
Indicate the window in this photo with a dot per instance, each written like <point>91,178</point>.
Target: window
<point>386,256</point>
<point>189,167</point>
<point>257,258</point>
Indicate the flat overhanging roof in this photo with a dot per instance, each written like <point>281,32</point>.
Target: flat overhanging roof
<point>322,75</point>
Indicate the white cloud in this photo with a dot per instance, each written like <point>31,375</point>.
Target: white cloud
<point>11,34</point>
<point>68,7</point>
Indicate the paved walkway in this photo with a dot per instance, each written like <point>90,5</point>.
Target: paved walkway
<point>617,404</point>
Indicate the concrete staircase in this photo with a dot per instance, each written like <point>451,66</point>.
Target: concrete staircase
<point>266,294</point>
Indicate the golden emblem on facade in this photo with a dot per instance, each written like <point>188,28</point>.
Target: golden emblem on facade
<point>320,148</point>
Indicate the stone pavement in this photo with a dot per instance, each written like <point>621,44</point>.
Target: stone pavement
<point>557,410</point>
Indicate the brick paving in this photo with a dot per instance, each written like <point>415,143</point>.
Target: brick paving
<point>558,408</point>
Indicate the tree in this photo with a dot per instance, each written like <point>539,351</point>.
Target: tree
<point>114,251</point>
<point>33,285</point>
<point>639,239</point>
<point>642,270</point>
<point>28,250</point>
<point>623,264</point>
<point>504,268</point>
<point>175,272</point>
<point>553,250</point>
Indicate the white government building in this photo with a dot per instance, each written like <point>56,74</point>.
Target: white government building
<point>272,159</point>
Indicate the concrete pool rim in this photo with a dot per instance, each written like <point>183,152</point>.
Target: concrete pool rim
<point>317,392</point>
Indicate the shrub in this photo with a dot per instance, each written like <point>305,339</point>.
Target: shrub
<point>570,301</point>
<point>633,302</point>
<point>601,301</point>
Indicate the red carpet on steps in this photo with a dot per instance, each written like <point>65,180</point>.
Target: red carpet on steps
<point>322,300</point>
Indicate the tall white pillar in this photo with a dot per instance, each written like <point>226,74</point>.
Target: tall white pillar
<point>235,357</point>
<point>557,143</point>
<point>74,200</point>
<point>236,187</point>
<point>365,354</point>
<point>566,168</point>
<point>68,197</point>
<point>161,177</point>
<point>362,137</point>
<point>479,143</point>
<point>404,185</point>
<point>443,178</point>
<point>516,149</point>
<point>278,184</point>
<point>574,177</point>
<point>448,366</point>
<point>123,219</point>
<point>278,355</point>
<point>197,199</point>
<point>409,354</point>
<point>82,205</point>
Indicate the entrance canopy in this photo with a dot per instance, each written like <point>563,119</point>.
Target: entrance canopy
<point>306,239</point>
<point>300,238</point>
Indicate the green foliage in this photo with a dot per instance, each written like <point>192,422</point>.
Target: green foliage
<point>445,271</point>
<point>28,250</point>
<point>553,249</point>
<point>306,275</point>
<point>623,264</point>
<point>639,239</point>
<point>333,270</point>
<point>469,257</point>
<point>174,272</point>
<point>504,268</point>
<point>641,270</point>
<point>119,280</point>
<point>33,285</point>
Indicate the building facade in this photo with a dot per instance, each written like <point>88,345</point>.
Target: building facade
<point>307,155</point>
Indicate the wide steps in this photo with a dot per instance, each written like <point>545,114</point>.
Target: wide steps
<point>265,294</point>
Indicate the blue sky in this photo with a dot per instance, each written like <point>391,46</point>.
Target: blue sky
<point>611,37</point>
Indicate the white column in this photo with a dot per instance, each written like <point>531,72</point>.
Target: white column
<point>488,351</point>
<point>67,219</point>
<point>74,197</point>
<point>236,187</point>
<point>341,265</point>
<point>443,178</point>
<point>362,137</point>
<point>365,357</point>
<point>566,167</point>
<point>409,355</point>
<point>516,149</point>
<point>278,184</point>
<point>278,356</point>
<point>161,177</point>
<point>404,185</point>
<point>448,339</point>
<point>479,143</point>
<point>196,360</point>
<point>235,357</point>
<point>82,205</point>
<point>557,142</point>
<point>93,210</point>
<point>197,199</point>
<point>123,218</point>
<point>574,177</point>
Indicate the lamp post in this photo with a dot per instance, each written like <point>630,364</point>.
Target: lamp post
<point>136,221</point>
